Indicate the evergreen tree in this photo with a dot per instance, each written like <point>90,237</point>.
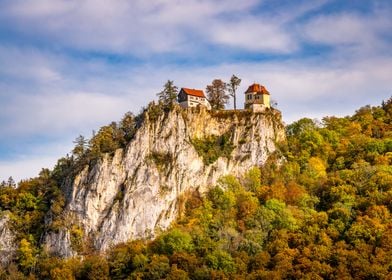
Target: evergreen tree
<point>11,182</point>
<point>169,94</point>
<point>128,126</point>
<point>216,93</point>
<point>232,88</point>
<point>80,147</point>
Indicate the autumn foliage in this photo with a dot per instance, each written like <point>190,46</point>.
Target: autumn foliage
<point>320,208</point>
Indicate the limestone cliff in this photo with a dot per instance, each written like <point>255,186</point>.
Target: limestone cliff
<point>7,242</point>
<point>138,190</point>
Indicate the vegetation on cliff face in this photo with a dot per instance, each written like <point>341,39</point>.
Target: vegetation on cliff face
<point>213,147</point>
<point>324,212</point>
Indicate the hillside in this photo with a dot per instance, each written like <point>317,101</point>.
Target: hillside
<point>318,206</point>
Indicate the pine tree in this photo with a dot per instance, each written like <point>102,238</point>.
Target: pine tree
<point>169,94</point>
<point>11,182</point>
<point>80,147</point>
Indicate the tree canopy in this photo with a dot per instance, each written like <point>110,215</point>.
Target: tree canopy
<point>216,94</point>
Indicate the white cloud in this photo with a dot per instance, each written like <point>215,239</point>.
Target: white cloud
<point>25,168</point>
<point>362,33</point>
<point>254,35</point>
<point>29,64</point>
<point>38,8</point>
<point>51,114</point>
<point>140,27</point>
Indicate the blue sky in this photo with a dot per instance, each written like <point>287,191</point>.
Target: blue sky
<point>70,66</point>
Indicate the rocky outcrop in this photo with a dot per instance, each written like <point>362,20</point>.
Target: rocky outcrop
<point>7,241</point>
<point>138,190</point>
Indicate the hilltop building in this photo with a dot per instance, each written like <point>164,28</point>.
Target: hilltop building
<point>192,97</point>
<point>257,98</point>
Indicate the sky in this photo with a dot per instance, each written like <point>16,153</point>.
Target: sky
<point>67,67</point>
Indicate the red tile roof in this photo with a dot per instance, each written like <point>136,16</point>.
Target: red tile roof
<point>257,88</point>
<point>194,92</point>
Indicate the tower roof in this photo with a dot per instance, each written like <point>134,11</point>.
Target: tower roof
<point>257,88</point>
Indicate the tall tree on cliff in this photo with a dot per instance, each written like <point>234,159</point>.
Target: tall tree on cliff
<point>169,93</point>
<point>80,147</point>
<point>216,93</point>
<point>232,88</point>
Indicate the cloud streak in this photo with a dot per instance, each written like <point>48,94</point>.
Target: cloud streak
<point>365,33</point>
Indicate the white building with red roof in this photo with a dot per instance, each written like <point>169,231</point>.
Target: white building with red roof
<point>192,98</point>
<point>257,98</point>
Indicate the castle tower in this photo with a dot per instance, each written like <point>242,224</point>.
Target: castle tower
<point>257,98</point>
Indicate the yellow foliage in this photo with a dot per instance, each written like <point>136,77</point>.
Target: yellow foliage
<point>316,167</point>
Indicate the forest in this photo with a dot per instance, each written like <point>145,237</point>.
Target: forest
<point>320,208</point>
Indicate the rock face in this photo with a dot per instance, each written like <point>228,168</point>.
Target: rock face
<point>138,190</point>
<point>7,242</point>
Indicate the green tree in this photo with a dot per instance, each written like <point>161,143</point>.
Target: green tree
<point>80,147</point>
<point>128,127</point>
<point>221,199</point>
<point>169,94</point>
<point>232,88</point>
<point>221,260</point>
<point>175,241</point>
<point>277,215</point>
<point>9,184</point>
<point>216,93</point>
<point>107,140</point>
<point>253,179</point>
